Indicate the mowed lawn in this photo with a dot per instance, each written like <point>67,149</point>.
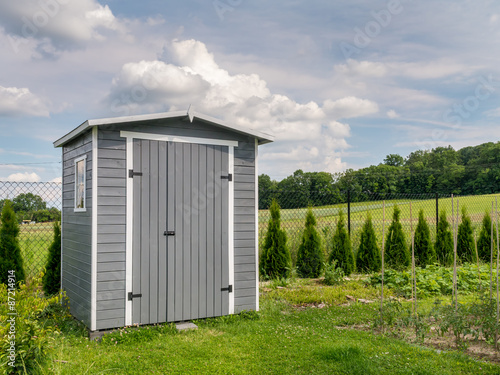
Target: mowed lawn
<point>283,338</point>
<point>292,220</point>
<point>35,240</point>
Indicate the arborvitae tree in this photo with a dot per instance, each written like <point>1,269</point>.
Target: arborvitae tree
<point>466,251</point>
<point>275,260</point>
<point>10,251</point>
<point>397,255</point>
<point>444,241</point>
<point>52,278</point>
<point>368,258</point>
<point>341,248</point>
<point>484,240</point>
<point>310,255</point>
<point>424,249</point>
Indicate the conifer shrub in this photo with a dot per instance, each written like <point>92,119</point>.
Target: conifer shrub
<point>424,249</point>
<point>275,260</point>
<point>341,250</point>
<point>466,250</point>
<point>310,255</point>
<point>10,251</point>
<point>484,240</point>
<point>397,254</point>
<point>444,241</point>
<point>52,278</point>
<point>368,258</point>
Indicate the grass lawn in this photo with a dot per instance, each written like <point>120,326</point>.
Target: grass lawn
<point>35,240</point>
<point>290,335</point>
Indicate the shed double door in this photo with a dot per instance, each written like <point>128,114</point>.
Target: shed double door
<point>180,231</point>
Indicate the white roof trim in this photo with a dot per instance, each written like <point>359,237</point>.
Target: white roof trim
<point>262,137</point>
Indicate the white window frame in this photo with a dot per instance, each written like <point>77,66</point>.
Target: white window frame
<point>84,208</point>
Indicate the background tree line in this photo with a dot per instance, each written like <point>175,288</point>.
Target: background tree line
<point>469,171</point>
<point>28,206</point>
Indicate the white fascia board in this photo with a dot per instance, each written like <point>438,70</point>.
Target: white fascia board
<point>93,291</point>
<point>231,229</point>
<point>262,137</point>
<point>176,138</point>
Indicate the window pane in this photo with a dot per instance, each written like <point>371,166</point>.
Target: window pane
<point>80,184</point>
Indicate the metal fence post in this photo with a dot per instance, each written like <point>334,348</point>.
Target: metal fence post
<point>437,212</point>
<point>349,211</point>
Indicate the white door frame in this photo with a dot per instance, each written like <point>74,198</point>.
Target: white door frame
<point>130,136</point>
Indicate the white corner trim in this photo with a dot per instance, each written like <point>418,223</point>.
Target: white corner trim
<point>231,229</point>
<point>180,139</point>
<point>93,304</point>
<point>257,224</point>
<point>129,232</point>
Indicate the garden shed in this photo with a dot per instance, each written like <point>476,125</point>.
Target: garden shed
<point>159,219</point>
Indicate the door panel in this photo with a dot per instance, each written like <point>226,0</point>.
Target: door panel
<point>180,277</point>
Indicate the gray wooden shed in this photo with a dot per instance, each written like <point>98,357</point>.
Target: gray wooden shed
<point>159,219</point>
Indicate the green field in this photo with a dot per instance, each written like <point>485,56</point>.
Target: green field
<point>35,240</point>
<point>292,220</point>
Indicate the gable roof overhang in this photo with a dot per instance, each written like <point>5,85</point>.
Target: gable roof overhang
<point>190,115</point>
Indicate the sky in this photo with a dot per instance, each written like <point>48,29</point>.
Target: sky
<point>340,84</point>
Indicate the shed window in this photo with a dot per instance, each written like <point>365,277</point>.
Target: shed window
<point>80,184</point>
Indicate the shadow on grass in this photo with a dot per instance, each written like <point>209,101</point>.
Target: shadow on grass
<point>350,360</point>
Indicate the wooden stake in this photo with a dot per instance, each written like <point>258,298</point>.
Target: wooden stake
<point>477,260</point>
<point>383,253</point>
<point>498,258</point>
<point>492,247</point>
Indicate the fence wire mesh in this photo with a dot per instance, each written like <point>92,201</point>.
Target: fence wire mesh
<point>356,206</point>
<point>37,205</point>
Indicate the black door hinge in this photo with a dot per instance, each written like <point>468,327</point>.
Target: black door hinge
<point>131,296</point>
<point>228,289</point>
<point>229,177</point>
<point>131,173</point>
<point>169,233</point>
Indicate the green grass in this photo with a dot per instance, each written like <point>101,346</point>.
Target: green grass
<point>35,240</point>
<point>292,220</point>
<point>281,339</point>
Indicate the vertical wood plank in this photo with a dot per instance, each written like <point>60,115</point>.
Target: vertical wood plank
<point>145,244</point>
<point>195,192</point>
<point>202,279</point>
<point>179,231</point>
<point>162,226</point>
<point>224,219</point>
<point>153,232</point>
<point>217,231</point>
<point>210,230</point>
<point>136,245</point>
<point>171,240</point>
<point>186,219</point>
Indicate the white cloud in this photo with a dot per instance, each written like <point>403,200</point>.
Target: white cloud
<point>493,112</point>
<point>350,107</point>
<point>20,101</point>
<point>24,177</point>
<point>64,24</point>
<point>362,68</point>
<point>189,75</point>
<point>392,113</point>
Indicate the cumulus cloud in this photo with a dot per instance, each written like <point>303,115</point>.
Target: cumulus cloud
<point>392,113</point>
<point>24,177</point>
<point>188,74</point>
<point>63,24</point>
<point>20,101</point>
<point>350,107</point>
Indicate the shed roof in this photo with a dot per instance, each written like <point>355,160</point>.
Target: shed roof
<point>189,114</point>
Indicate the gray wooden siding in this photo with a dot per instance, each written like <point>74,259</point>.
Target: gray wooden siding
<point>77,231</point>
<point>111,229</point>
<point>112,177</point>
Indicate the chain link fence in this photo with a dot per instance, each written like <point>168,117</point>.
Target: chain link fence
<point>37,205</point>
<point>356,206</point>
